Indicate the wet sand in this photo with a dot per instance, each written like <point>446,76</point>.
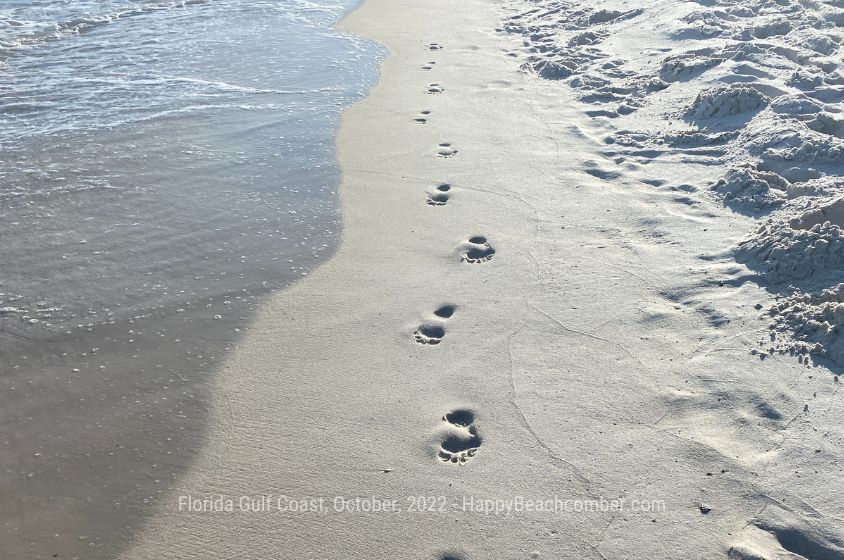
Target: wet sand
<point>142,233</point>
<point>543,331</point>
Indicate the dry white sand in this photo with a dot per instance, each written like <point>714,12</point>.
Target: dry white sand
<point>562,322</point>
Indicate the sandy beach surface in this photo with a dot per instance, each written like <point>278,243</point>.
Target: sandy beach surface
<point>523,310</point>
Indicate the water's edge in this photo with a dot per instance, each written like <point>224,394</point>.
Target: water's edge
<point>106,418</point>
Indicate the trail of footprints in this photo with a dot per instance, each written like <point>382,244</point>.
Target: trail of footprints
<point>459,439</point>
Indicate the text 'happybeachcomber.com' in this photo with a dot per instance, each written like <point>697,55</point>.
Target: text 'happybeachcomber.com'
<point>324,505</point>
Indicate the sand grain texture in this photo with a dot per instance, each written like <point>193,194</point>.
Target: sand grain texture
<point>588,349</point>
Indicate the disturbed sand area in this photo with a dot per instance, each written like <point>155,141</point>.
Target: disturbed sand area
<point>752,91</point>
<point>558,321</point>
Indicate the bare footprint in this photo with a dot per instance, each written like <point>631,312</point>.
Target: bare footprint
<point>440,197</point>
<point>461,440</point>
<point>460,417</point>
<point>445,312</point>
<point>429,334</point>
<point>432,331</point>
<point>446,150</point>
<point>435,89</point>
<point>423,117</point>
<point>476,250</point>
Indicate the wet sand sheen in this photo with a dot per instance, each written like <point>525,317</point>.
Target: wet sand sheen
<point>550,330</point>
<point>143,241</point>
<point>532,335</point>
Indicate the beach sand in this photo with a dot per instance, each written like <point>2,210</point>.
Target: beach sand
<point>552,323</point>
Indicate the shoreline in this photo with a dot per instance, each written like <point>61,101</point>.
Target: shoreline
<point>531,336</point>
<point>122,300</point>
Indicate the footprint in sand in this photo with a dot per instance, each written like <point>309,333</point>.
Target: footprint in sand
<point>445,312</point>
<point>429,334</point>
<point>440,196</point>
<point>435,89</point>
<point>460,440</point>
<point>476,250</point>
<point>433,331</point>
<point>423,117</point>
<point>428,66</point>
<point>434,46</point>
<point>446,150</point>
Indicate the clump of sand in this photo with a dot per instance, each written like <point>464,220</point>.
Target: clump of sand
<point>726,101</point>
<point>787,251</point>
<point>806,323</point>
<point>752,87</point>
<point>747,187</point>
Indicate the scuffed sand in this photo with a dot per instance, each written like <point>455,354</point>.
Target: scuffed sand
<point>538,294</point>
<point>751,89</point>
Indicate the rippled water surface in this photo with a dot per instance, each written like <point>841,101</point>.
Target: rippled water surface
<point>155,152</point>
<point>163,166</point>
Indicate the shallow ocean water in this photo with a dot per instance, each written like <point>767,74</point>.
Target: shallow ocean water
<point>164,165</point>
<point>152,153</point>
